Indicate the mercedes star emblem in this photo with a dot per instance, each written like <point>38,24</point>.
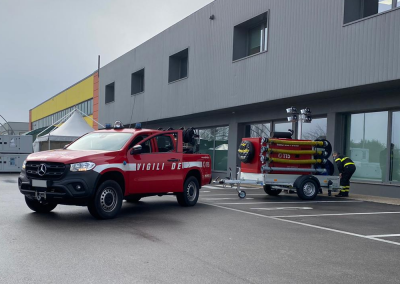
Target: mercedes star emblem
<point>42,170</point>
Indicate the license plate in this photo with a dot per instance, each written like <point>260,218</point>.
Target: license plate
<point>39,183</point>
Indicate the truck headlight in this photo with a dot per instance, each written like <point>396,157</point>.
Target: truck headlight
<point>24,164</point>
<point>82,167</point>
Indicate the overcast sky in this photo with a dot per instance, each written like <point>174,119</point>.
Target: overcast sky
<point>48,45</point>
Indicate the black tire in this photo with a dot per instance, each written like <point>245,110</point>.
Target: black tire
<point>190,193</point>
<point>246,151</point>
<point>242,194</point>
<point>273,192</point>
<point>133,199</point>
<point>38,207</point>
<point>307,187</point>
<point>107,201</point>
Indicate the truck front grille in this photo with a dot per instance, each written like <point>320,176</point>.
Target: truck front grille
<point>52,170</point>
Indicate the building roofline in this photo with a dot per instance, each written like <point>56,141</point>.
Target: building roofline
<point>163,31</point>
<point>64,90</point>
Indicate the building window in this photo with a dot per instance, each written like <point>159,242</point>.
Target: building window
<point>358,9</point>
<point>110,93</point>
<point>214,141</point>
<point>282,126</point>
<point>366,144</point>
<point>394,174</point>
<point>178,66</point>
<point>137,82</point>
<point>314,130</point>
<point>250,37</point>
<point>258,130</point>
<point>91,106</point>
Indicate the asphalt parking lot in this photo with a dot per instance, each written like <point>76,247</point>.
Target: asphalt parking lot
<point>223,239</point>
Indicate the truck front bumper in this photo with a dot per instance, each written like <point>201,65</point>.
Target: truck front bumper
<point>74,188</point>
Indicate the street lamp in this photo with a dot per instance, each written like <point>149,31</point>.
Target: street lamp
<point>303,117</point>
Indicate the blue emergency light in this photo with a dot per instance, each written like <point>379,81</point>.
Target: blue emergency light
<point>138,125</point>
<point>108,126</point>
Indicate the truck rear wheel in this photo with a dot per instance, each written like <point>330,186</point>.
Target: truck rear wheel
<point>273,192</point>
<point>38,207</point>
<point>107,201</point>
<point>190,193</point>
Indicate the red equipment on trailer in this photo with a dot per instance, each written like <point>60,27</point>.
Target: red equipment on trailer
<point>282,163</point>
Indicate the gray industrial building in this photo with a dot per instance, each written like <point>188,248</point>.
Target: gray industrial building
<point>233,67</point>
<point>14,128</point>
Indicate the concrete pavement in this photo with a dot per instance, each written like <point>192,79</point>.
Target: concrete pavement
<point>223,239</point>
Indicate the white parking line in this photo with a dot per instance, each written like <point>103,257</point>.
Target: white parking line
<point>286,202</point>
<point>384,236</point>
<point>230,188</point>
<point>283,208</point>
<point>222,198</point>
<point>202,191</point>
<point>306,225</point>
<point>336,214</point>
<point>230,194</point>
<point>211,187</point>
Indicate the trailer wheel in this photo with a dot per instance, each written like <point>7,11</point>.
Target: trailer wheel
<point>242,194</point>
<point>273,192</point>
<point>307,187</point>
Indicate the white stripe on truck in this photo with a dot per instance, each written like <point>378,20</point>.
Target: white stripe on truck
<point>133,167</point>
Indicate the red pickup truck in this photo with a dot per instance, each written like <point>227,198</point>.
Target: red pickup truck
<point>102,168</point>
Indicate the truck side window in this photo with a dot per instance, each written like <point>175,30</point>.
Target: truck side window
<point>165,143</point>
<point>137,140</point>
<point>146,147</point>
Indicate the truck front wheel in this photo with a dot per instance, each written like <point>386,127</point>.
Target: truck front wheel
<point>107,201</point>
<point>36,206</point>
<point>190,193</point>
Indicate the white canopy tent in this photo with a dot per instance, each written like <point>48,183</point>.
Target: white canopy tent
<point>69,131</point>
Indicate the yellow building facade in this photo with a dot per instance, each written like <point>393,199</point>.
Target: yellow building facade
<point>82,95</point>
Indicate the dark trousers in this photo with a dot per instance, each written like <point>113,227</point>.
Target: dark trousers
<point>346,176</point>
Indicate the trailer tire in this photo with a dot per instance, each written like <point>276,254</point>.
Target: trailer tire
<point>268,190</point>
<point>246,152</point>
<point>307,187</point>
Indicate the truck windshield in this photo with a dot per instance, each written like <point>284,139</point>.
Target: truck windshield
<point>101,141</point>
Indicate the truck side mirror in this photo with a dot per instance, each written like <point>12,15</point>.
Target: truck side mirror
<point>136,150</point>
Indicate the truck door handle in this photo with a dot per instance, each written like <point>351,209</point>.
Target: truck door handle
<point>173,160</point>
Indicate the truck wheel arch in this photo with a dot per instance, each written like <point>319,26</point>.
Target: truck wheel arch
<point>194,173</point>
<point>115,176</point>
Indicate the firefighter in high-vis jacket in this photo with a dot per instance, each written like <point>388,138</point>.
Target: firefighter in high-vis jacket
<point>346,169</point>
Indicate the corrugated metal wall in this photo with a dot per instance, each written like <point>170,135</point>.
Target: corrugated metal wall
<point>310,51</point>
